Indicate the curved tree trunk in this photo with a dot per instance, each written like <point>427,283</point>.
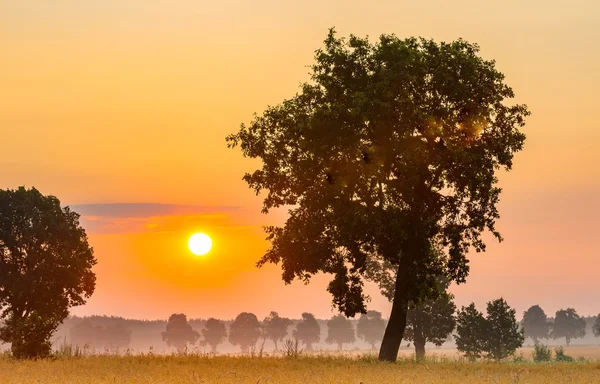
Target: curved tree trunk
<point>397,322</point>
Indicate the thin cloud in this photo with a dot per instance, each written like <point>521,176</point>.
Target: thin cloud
<point>141,210</point>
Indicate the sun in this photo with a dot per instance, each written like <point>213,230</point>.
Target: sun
<point>199,244</point>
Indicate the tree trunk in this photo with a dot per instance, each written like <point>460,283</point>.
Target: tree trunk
<point>568,339</point>
<point>397,322</point>
<point>214,348</point>
<point>419,342</point>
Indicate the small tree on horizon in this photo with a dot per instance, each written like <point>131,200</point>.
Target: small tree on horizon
<point>596,326</point>
<point>45,269</point>
<point>340,331</point>
<point>245,331</point>
<point>497,334</point>
<point>179,332</point>
<point>307,331</point>
<point>431,321</point>
<point>214,333</point>
<point>503,335</point>
<point>536,324</point>
<point>470,332</point>
<point>370,328</point>
<point>275,327</point>
<point>568,324</point>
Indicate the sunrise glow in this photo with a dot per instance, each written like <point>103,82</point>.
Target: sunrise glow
<point>200,244</point>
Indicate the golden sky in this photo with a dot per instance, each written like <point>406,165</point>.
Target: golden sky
<point>120,108</point>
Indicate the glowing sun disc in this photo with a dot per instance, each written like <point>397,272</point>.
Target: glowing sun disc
<point>199,244</point>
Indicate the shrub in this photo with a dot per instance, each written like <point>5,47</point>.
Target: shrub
<point>541,353</point>
<point>561,357</point>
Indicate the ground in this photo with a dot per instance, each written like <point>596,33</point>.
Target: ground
<point>261,370</point>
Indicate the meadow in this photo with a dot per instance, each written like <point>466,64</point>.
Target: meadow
<point>354,369</point>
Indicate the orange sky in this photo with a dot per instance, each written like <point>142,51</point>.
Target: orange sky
<point>129,101</point>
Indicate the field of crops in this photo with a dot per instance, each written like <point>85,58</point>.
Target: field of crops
<point>259,370</point>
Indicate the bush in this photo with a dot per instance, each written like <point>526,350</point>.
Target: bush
<point>541,353</point>
<point>561,357</point>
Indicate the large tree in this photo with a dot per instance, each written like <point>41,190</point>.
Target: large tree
<point>214,333</point>
<point>430,321</point>
<point>340,331</point>
<point>45,268</point>
<point>275,327</point>
<point>370,327</point>
<point>391,148</point>
<point>536,324</point>
<point>568,324</point>
<point>308,331</point>
<point>179,332</point>
<point>245,331</point>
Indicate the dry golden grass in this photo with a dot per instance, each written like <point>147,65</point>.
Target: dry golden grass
<point>229,370</point>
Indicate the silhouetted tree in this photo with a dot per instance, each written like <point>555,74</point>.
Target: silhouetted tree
<point>503,336</point>
<point>497,334</point>
<point>340,331</point>
<point>596,326</point>
<point>214,333</point>
<point>308,331</point>
<point>536,324</point>
<point>431,321</point>
<point>470,332</point>
<point>390,146</point>
<point>275,327</point>
<point>370,327</point>
<point>244,331</point>
<point>568,324</point>
<point>45,268</point>
<point>179,332</point>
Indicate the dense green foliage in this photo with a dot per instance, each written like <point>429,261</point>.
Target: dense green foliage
<point>45,268</point>
<point>389,151</point>
<point>497,335</point>
<point>431,321</point>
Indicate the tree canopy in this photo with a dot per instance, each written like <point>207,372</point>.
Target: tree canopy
<point>536,324</point>
<point>370,327</point>
<point>568,324</point>
<point>497,335</point>
<point>245,331</point>
<point>179,332</point>
<point>470,332</point>
<point>596,326</point>
<point>340,331</point>
<point>275,327</point>
<point>307,331</point>
<point>430,321</point>
<point>45,268</point>
<point>390,150</point>
<point>214,333</point>
<point>503,335</point>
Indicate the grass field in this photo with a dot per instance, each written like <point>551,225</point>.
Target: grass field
<point>324,369</point>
